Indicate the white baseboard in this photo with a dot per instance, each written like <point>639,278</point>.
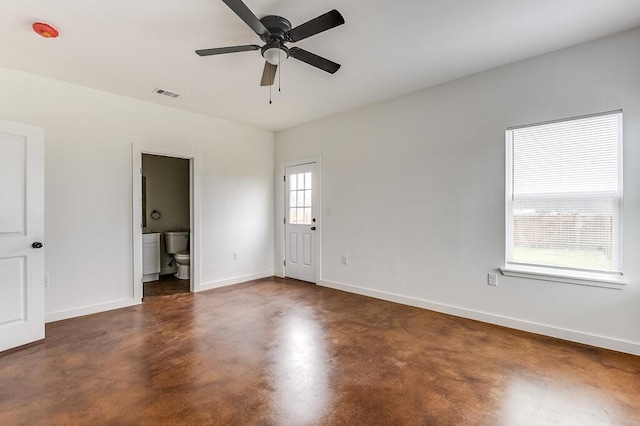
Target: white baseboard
<point>123,303</point>
<point>235,280</point>
<point>532,327</point>
<point>91,309</point>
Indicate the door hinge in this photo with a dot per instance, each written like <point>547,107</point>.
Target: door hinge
<point>284,263</point>
<point>284,178</point>
<point>140,170</point>
<point>284,220</point>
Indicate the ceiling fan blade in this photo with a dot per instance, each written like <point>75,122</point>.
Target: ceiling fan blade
<point>247,16</point>
<point>313,59</point>
<point>268,74</point>
<point>317,25</point>
<point>231,49</point>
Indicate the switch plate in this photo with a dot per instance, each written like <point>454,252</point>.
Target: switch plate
<point>235,256</point>
<point>492,279</point>
<point>345,260</point>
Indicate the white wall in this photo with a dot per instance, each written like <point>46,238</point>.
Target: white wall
<point>416,188</point>
<point>88,188</point>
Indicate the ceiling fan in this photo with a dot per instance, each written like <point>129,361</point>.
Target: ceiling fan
<point>275,31</point>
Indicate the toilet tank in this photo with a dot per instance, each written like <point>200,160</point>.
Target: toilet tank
<point>176,241</point>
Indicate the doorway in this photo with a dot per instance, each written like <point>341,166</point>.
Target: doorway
<point>302,221</point>
<point>165,209</point>
<point>163,201</point>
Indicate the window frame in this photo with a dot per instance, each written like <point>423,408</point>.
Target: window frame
<point>568,275</point>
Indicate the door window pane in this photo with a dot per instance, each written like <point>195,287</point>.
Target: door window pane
<point>300,199</point>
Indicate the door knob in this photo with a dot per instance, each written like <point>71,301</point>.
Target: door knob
<point>313,228</point>
<point>37,245</point>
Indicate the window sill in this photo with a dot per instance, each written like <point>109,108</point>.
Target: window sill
<point>544,274</point>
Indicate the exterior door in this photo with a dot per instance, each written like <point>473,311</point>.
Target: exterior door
<point>21,234</point>
<point>301,197</point>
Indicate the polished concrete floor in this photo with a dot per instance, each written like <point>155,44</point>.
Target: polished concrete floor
<point>166,286</point>
<point>281,352</point>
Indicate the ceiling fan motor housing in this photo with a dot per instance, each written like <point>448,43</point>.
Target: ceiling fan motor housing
<point>277,26</point>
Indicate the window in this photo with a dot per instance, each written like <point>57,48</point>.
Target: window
<point>564,197</point>
<point>300,199</point>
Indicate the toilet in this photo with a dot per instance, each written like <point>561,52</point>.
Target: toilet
<point>176,243</point>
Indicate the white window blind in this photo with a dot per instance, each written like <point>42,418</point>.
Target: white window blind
<point>564,194</point>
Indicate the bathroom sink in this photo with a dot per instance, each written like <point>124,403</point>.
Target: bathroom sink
<point>151,237</point>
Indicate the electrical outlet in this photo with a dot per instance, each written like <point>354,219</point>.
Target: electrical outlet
<point>235,256</point>
<point>345,260</point>
<point>492,279</point>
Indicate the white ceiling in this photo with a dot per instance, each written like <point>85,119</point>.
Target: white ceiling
<point>386,48</point>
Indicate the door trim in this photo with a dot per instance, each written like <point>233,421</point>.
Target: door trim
<point>280,214</point>
<point>194,217</point>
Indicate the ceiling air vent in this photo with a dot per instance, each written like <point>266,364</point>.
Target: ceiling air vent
<point>166,93</point>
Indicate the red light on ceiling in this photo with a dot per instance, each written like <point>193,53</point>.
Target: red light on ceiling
<point>45,30</point>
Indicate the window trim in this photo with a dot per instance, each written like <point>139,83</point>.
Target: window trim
<point>605,280</point>
<point>612,280</point>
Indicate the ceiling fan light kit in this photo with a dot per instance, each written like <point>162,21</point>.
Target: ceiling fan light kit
<point>275,31</point>
<point>275,54</point>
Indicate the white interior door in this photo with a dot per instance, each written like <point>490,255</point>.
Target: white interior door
<point>21,234</point>
<point>301,253</point>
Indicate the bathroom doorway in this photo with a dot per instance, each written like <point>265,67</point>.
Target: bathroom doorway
<point>163,214</point>
<point>165,209</point>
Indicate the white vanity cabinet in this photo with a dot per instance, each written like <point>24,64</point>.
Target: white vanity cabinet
<point>150,257</point>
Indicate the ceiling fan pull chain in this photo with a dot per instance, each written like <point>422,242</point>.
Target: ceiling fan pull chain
<point>280,68</point>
